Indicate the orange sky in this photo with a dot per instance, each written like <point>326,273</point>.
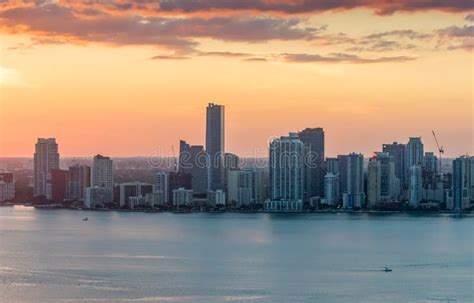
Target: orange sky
<point>124,80</point>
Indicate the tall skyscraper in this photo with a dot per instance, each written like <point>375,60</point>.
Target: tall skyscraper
<point>215,145</point>
<point>199,169</point>
<point>286,174</point>
<point>354,195</point>
<point>416,186</point>
<point>431,162</point>
<point>313,140</point>
<point>415,152</point>
<point>79,179</point>
<point>46,158</point>
<point>162,185</point>
<point>373,183</point>
<point>398,152</point>
<point>185,162</point>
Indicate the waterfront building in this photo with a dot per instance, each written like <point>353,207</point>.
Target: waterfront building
<point>216,198</point>
<point>286,174</point>
<point>399,153</point>
<point>162,185</point>
<point>458,197</point>
<point>133,189</point>
<point>46,158</point>
<point>79,179</point>
<point>416,186</point>
<point>182,197</point>
<point>245,187</point>
<point>354,196</point>
<point>215,144</point>
<point>314,170</point>
<point>331,189</point>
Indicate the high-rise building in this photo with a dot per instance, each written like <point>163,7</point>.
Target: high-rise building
<point>331,189</point>
<point>382,184</point>
<point>245,187</point>
<point>185,161</point>
<point>416,186</point>
<point>458,198</point>
<point>59,185</point>
<point>414,153</point>
<point>431,163</point>
<point>231,162</point>
<point>7,187</point>
<point>102,175</point>
<point>332,166</point>
<point>215,144</point>
<point>342,167</point>
<point>199,169</point>
<point>46,158</point>
<point>354,195</point>
<point>79,179</point>
<point>102,172</point>
<point>286,174</point>
<point>162,185</point>
<point>313,140</point>
<point>398,152</point>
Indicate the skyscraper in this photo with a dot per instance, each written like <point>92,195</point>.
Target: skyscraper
<point>199,169</point>
<point>398,152</point>
<point>245,187</point>
<point>415,152</point>
<point>354,195</point>
<point>215,145</point>
<point>286,174</point>
<point>46,158</point>
<point>313,140</point>
<point>331,189</point>
<point>382,184</point>
<point>59,185</point>
<point>416,186</point>
<point>79,179</point>
<point>459,197</point>
<point>162,185</point>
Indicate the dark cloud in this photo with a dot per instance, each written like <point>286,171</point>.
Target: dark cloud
<point>58,21</point>
<point>311,6</point>
<point>455,31</point>
<point>470,17</point>
<point>341,58</point>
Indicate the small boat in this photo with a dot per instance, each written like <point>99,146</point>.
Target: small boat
<point>386,269</point>
<point>85,219</point>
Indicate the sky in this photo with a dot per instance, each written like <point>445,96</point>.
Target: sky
<point>132,78</point>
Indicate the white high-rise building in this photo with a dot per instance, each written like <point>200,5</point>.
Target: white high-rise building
<point>161,185</point>
<point>102,172</point>
<point>286,174</point>
<point>216,198</point>
<point>416,186</point>
<point>382,184</point>
<point>46,158</point>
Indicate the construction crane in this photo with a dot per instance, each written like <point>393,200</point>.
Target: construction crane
<point>440,150</point>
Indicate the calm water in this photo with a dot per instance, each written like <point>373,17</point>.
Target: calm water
<point>54,256</point>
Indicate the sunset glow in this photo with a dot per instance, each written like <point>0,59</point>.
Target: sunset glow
<point>132,78</point>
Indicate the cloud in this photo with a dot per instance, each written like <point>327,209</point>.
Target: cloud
<point>341,58</point>
<point>169,57</point>
<point>455,37</point>
<point>407,33</point>
<point>312,6</point>
<point>51,20</point>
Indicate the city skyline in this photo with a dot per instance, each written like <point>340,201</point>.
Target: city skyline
<point>97,75</point>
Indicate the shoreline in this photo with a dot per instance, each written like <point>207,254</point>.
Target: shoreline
<point>233,211</point>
